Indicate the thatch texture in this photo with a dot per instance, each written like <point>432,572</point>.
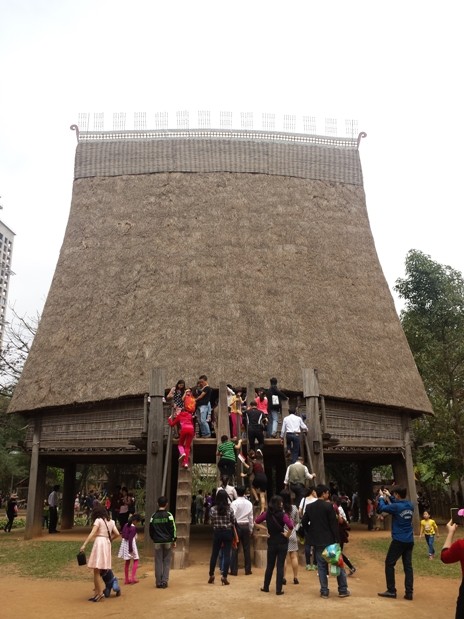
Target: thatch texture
<point>240,276</point>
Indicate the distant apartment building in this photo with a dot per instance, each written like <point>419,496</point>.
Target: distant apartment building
<point>6,251</point>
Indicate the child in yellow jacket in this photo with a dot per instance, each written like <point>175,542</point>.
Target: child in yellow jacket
<point>429,529</point>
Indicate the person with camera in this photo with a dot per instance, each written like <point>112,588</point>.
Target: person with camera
<point>402,544</point>
<point>452,552</point>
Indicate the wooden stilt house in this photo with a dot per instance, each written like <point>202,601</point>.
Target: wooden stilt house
<point>239,255</point>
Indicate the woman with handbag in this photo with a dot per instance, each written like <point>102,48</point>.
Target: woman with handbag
<point>104,530</point>
<point>279,528</point>
<point>223,521</point>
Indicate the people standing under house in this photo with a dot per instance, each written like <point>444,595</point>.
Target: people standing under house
<point>274,406</point>
<point>228,489</point>
<point>292,551</point>
<point>402,544</point>
<point>128,549</point>
<point>208,504</point>
<point>11,511</point>
<point>296,477</point>
<point>279,527</point>
<point>454,553</point>
<point>355,507</point>
<point>223,520</point>
<point>204,406</point>
<point>163,533</point>
<point>104,530</point>
<point>243,511</point>
<point>184,420</point>
<point>123,507</point>
<point>429,529</point>
<point>345,504</point>
<point>200,507</point>
<point>53,501</point>
<point>176,395</point>
<point>321,530</point>
<point>292,427</point>
<point>370,512</point>
<point>255,420</point>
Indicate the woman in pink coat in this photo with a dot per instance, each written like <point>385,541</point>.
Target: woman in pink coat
<point>187,431</point>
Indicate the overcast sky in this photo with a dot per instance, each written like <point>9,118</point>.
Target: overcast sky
<point>395,68</point>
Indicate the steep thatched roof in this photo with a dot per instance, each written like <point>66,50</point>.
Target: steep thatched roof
<point>238,258</point>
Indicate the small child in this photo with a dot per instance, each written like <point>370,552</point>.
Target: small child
<point>111,583</point>
<point>128,550</point>
<point>429,529</point>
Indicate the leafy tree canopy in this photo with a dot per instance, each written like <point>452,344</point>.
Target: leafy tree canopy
<point>433,321</point>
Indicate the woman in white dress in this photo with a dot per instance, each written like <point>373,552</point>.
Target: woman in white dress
<point>104,530</point>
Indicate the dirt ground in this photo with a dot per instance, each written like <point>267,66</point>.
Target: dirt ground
<point>190,595</point>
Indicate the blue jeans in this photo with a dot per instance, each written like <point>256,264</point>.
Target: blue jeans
<point>430,539</point>
<point>293,444</point>
<point>221,538</point>
<point>205,412</point>
<point>323,571</point>
<point>404,550</point>
<point>273,422</point>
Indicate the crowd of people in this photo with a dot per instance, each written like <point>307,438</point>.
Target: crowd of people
<point>194,407</point>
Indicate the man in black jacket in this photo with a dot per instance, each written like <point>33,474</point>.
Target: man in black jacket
<point>321,529</point>
<point>163,533</point>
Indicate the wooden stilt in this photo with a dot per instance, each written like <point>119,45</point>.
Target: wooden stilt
<point>36,491</point>
<point>311,394</point>
<point>155,435</point>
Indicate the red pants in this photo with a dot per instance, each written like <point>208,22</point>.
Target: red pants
<point>185,440</point>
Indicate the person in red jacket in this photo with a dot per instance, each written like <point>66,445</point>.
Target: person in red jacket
<point>187,431</point>
<point>454,553</point>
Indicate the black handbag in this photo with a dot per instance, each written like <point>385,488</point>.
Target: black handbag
<point>81,558</point>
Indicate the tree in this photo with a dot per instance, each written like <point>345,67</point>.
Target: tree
<point>433,321</point>
<point>18,335</point>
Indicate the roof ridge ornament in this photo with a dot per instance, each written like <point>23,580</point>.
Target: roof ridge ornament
<point>363,134</point>
<point>76,129</point>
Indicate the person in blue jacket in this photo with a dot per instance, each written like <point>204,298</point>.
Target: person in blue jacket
<point>402,544</point>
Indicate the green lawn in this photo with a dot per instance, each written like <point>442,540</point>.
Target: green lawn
<point>420,558</point>
<point>47,559</point>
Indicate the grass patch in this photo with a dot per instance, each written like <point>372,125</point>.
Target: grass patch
<point>50,559</point>
<point>420,558</point>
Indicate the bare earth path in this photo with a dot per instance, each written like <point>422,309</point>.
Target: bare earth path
<point>189,595</point>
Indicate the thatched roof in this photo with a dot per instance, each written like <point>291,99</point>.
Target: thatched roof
<point>243,259</point>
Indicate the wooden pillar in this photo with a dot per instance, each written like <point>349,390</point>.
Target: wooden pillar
<point>311,394</point>
<point>409,477</point>
<point>250,393</point>
<point>35,494</point>
<point>69,493</point>
<point>155,435</point>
